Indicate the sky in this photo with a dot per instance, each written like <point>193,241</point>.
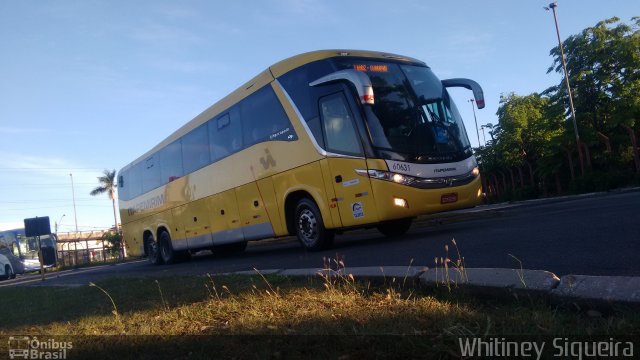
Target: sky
<point>88,85</point>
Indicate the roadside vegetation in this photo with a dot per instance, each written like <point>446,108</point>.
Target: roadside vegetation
<point>271,314</point>
<point>532,151</point>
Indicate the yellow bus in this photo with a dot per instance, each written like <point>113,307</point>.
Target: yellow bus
<point>316,144</point>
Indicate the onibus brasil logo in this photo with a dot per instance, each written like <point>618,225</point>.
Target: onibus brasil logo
<point>30,347</point>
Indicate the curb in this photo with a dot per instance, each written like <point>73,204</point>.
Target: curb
<point>493,282</point>
<point>598,291</point>
<point>588,292</point>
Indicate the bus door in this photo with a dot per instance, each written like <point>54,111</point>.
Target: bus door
<point>353,193</point>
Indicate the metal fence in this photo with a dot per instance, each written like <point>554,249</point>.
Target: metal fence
<point>81,248</point>
<point>79,252</point>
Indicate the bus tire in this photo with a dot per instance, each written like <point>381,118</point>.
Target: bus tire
<point>8,273</point>
<point>395,228</point>
<point>310,228</point>
<point>153,251</point>
<point>166,249</point>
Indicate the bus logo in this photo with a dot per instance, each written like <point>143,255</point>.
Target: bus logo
<point>19,347</point>
<point>358,211</point>
<point>268,161</point>
<point>27,347</point>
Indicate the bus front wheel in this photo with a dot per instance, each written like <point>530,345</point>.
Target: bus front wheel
<point>310,228</point>
<point>8,273</point>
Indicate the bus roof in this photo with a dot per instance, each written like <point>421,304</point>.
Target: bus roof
<point>259,81</point>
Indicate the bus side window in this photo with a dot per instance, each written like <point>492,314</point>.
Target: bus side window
<point>305,97</point>
<point>225,134</point>
<point>195,149</point>
<point>122,185</point>
<point>264,119</point>
<point>135,181</point>
<point>340,132</point>
<point>151,174</point>
<point>171,162</point>
<point>316,130</point>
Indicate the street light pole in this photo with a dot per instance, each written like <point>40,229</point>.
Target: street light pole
<point>73,194</point>
<point>476,120</point>
<point>553,6</point>
<point>59,222</point>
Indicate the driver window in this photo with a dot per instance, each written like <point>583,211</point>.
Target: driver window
<point>339,129</point>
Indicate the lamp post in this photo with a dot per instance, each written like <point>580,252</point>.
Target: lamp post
<point>476,120</point>
<point>553,7</point>
<point>73,194</point>
<point>59,222</point>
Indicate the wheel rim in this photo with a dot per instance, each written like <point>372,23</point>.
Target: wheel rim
<point>164,251</point>
<point>308,226</point>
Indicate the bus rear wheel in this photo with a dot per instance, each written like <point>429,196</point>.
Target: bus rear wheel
<point>395,228</point>
<point>153,251</point>
<point>166,249</point>
<point>310,228</point>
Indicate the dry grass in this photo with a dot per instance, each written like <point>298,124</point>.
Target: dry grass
<point>333,309</point>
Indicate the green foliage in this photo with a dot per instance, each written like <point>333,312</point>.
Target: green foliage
<point>115,240</point>
<point>107,184</point>
<point>531,125</point>
<point>602,65</point>
<point>601,181</point>
<point>534,131</point>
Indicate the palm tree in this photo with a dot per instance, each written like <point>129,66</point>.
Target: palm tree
<point>108,185</point>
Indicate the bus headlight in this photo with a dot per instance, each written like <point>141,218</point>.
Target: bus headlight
<point>476,171</point>
<point>387,176</point>
<point>398,178</point>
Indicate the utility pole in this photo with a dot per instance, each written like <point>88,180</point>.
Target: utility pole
<point>476,120</point>
<point>553,7</point>
<point>73,194</point>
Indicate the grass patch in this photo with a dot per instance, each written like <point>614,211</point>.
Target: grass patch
<point>283,309</point>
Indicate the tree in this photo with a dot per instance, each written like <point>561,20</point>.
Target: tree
<point>530,125</point>
<point>603,65</point>
<point>108,185</point>
<point>115,240</point>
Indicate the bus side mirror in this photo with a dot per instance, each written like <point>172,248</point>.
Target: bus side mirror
<point>467,84</point>
<point>359,79</point>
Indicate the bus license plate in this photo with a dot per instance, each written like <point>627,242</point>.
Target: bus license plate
<point>449,198</point>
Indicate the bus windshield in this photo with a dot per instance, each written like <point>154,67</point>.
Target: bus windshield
<point>27,248</point>
<point>413,117</point>
<point>14,244</point>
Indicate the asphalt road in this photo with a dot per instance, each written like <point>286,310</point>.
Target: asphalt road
<point>589,235</point>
